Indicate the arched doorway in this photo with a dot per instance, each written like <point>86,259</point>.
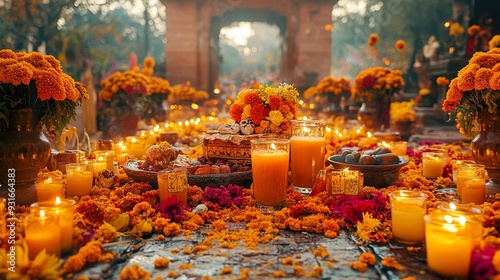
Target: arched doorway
<point>191,47</point>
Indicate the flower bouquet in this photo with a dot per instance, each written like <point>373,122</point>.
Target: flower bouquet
<point>270,109</point>
<point>36,81</point>
<point>375,86</point>
<point>473,98</point>
<point>186,92</point>
<point>402,117</point>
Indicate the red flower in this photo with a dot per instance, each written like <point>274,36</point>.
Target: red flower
<point>275,102</point>
<point>235,112</point>
<point>258,113</point>
<point>368,82</point>
<point>172,209</point>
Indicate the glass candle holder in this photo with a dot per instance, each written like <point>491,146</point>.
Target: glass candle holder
<point>398,147</point>
<point>468,170</point>
<point>173,183</point>
<point>269,159</point>
<point>79,179</point>
<point>433,162</point>
<point>474,216</point>
<point>455,164</point>
<point>64,210</point>
<point>408,209</point>
<point>49,189</point>
<point>449,244</point>
<point>307,153</point>
<point>473,190</point>
<point>42,231</point>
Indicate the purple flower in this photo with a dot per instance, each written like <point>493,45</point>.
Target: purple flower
<point>481,267</point>
<point>172,208</point>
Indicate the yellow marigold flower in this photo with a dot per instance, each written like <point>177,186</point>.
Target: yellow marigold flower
<point>424,91</point>
<point>473,29</point>
<point>373,39</point>
<point>149,62</point>
<point>400,45</point>
<point>456,29</point>
<point>494,42</point>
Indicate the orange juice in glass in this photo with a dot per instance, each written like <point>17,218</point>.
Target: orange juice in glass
<point>270,157</point>
<point>307,153</point>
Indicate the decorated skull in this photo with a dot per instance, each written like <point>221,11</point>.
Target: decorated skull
<point>247,126</point>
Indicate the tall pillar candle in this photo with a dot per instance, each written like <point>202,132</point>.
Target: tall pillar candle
<point>307,153</point>
<point>269,159</point>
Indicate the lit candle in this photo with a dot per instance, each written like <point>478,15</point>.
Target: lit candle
<point>173,183</point>
<point>64,210</point>
<point>344,181</point>
<point>102,161</point>
<point>307,153</point>
<point>468,170</point>
<point>454,166</point>
<point>398,147</point>
<point>449,244</point>
<point>79,179</point>
<point>433,163</point>
<point>408,209</point>
<point>42,231</point>
<point>269,158</point>
<point>474,216</point>
<point>49,189</point>
<point>473,190</point>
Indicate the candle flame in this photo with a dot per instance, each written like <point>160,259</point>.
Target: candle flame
<point>48,180</point>
<point>346,169</point>
<point>306,131</point>
<point>453,206</point>
<point>369,134</point>
<point>385,144</point>
<point>58,201</point>
<point>462,220</point>
<point>273,147</point>
<point>42,213</point>
<point>152,132</point>
<point>448,219</point>
<point>133,140</point>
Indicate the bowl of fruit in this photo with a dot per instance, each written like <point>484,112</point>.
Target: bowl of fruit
<point>380,166</point>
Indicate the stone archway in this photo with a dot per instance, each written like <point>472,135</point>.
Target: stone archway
<point>193,27</point>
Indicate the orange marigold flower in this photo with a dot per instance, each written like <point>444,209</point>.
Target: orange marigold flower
<point>473,29</point>
<point>368,257</point>
<point>235,112</point>
<point>257,113</point>
<point>373,39</point>
<point>161,262</point>
<point>449,105</point>
<point>19,73</point>
<point>69,85</point>
<point>133,272</point>
<point>442,81</point>
<point>482,78</point>
<point>149,62</point>
<point>37,60</point>
<point>495,81</point>
<point>466,78</point>
<point>7,53</point>
<point>54,63</point>
<point>49,85</point>
<point>484,60</point>
<point>275,102</point>
<point>251,98</point>
<point>400,45</point>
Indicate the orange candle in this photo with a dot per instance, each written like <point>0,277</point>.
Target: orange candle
<point>473,190</point>
<point>42,232</point>
<point>79,179</point>
<point>468,170</point>
<point>270,159</point>
<point>173,183</point>
<point>307,153</point>
<point>49,189</point>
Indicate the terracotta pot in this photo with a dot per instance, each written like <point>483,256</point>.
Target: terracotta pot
<point>485,148</point>
<point>405,129</point>
<point>127,122</point>
<point>374,112</point>
<point>24,151</point>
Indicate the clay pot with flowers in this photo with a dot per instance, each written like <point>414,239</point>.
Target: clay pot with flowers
<point>123,93</point>
<point>35,93</point>
<point>473,100</point>
<point>329,93</point>
<point>375,87</point>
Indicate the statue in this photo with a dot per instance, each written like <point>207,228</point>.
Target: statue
<point>431,50</point>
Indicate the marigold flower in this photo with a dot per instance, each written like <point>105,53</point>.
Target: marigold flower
<point>400,45</point>
<point>149,62</point>
<point>456,29</point>
<point>473,29</point>
<point>494,42</point>
<point>442,81</point>
<point>373,39</point>
<point>482,78</point>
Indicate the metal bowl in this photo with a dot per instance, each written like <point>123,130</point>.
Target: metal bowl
<point>378,176</point>
<point>211,180</point>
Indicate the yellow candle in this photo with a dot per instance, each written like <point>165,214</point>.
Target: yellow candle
<point>270,159</point>
<point>408,209</point>
<point>42,231</point>
<point>398,147</point>
<point>449,244</point>
<point>49,189</point>
<point>474,216</point>
<point>454,166</point>
<point>465,171</point>
<point>173,183</point>
<point>473,190</point>
<point>432,164</point>
<point>79,179</point>
<point>64,210</point>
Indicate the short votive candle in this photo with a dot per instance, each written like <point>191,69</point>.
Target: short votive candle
<point>449,244</point>
<point>79,179</point>
<point>455,164</point>
<point>49,189</point>
<point>468,170</point>
<point>398,147</point>
<point>270,158</point>
<point>433,163</point>
<point>473,190</point>
<point>64,210</point>
<point>42,231</point>
<point>474,215</point>
<point>408,209</point>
